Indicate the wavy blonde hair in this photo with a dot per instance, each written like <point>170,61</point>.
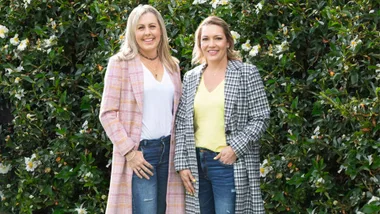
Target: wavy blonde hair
<point>198,56</point>
<point>129,47</point>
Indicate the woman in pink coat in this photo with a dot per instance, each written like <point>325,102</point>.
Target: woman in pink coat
<point>142,87</point>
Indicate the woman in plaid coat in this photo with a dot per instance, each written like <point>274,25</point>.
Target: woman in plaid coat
<point>222,114</point>
<point>142,87</point>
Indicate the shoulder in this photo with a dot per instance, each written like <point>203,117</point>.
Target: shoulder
<point>195,71</point>
<point>245,68</point>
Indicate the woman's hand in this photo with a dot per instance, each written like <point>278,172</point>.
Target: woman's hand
<point>188,180</point>
<point>136,161</point>
<point>226,156</point>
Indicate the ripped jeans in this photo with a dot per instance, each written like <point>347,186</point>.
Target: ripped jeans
<point>149,196</point>
<point>216,184</point>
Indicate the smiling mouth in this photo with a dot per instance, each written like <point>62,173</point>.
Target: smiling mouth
<point>212,51</point>
<point>148,40</point>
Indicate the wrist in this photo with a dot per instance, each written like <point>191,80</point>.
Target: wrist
<point>130,155</point>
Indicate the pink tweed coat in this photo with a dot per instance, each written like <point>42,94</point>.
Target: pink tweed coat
<point>121,118</point>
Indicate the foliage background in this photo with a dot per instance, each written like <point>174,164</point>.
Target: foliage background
<point>319,61</point>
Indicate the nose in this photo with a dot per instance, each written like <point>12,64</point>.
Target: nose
<point>212,43</point>
<point>147,31</point>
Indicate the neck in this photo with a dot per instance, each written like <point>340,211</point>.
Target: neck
<point>150,56</point>
<point>220,65</point>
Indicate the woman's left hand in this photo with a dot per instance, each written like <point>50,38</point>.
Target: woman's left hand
<point>226,156</point>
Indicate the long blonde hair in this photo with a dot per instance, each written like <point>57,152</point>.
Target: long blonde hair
<point>129,47</point>
<point>198,56</point>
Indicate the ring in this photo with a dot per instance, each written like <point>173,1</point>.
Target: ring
<point>139,170</point>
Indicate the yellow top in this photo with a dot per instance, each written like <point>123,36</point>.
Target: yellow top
<point>209,118</point>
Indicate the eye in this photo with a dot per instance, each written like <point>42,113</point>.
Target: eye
<point>152,26</point>
<point>140,27</point>
<point>204,39</point>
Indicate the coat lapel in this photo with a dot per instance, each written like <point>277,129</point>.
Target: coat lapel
<point>232,83</point>
<point>136,76</point>
<point>194,81</point>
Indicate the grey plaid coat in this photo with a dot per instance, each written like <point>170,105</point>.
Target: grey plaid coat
<point>246,118</point>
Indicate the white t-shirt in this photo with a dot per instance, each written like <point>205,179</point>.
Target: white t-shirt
<point>158,105</point>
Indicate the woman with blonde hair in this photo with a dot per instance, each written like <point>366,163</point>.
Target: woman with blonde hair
<point>222,114</point>
<point>142,87</point>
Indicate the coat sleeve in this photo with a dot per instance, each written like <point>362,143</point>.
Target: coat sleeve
<point>110,107</point>
<point>180,155</point>
<point>258,112</point>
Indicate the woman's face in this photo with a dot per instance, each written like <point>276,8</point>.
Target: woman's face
<point>148,34</point>
<point>214,43</point>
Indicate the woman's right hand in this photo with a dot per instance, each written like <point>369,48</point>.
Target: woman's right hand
<point>187,180</point>
<point>139,165</point>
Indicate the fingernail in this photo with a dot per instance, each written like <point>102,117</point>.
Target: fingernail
<point>214,158</point>
<point>194,180</point>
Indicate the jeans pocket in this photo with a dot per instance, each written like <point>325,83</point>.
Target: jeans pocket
<point>226,165</point>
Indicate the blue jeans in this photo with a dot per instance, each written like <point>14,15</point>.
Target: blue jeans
<point>216,184</point>
<point>149,196</point>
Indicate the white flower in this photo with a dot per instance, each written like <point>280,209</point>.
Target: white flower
<point>374,179</point>
<point>341,168</point>
<point>235,36</point>
<point>53,24</point>
<point>319,182</point>
<point>246,46</point>
<point>215,3</point>
<point>374,198</point>
<point>223,2</point>
<point>354,43</point>
<point>26,3</point>
<point>371,11</point>
<point>31,196</point>
<point>17,80</point>
<point>284,30</point>
<point>3,30</point>
<point>265,168</point>
<point>199,1</point>
<point>31,117</point>
<point>377,68</point>
<point>15,40</point>
<point>258,7</point>
<point>4,169</point>
<point>20,94</point>
<point>19,68</point>
<point>283,47</point>
<point>50,42</point>
<point>2,195</point>
<point>22,46</point>
<point>81,210</point>
<point>370,159</point>
<point>31,163</point>
<point>255,50</point>
<point>316,130</point>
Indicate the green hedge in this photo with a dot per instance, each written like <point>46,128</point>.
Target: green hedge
<point>319,61</point>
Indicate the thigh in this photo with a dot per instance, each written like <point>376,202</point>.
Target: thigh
<point>144,195</point>
<point>144,191</point>
<point>206,197</point>
<point>162,178</point>
<point>223,187</point>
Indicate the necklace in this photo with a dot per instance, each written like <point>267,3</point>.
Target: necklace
<point>153,69</point>
<point>150,58</point>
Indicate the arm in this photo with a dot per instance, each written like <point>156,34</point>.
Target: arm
<point>110,107</point>
<point>258,112</point>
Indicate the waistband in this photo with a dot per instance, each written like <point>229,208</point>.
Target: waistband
<point>204,150</point>
<point>164,139</point>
